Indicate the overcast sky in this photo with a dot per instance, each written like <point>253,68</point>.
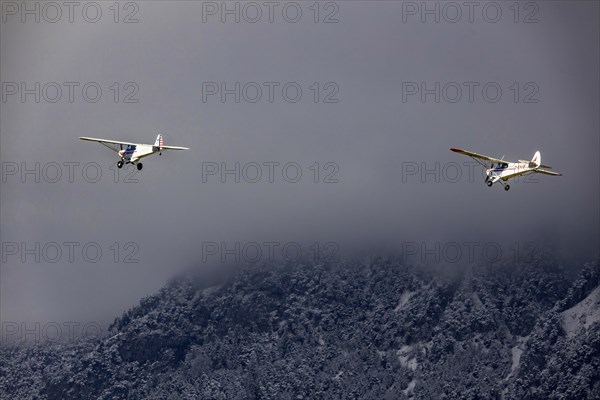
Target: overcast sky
<point>362,117</point>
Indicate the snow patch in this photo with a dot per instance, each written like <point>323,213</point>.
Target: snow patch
<point>516,358</point>
<point>406,359</point>
<point>405,349</point>
<point>517,351</point>
<point>210,290</point>
<point>477,301</point>
<point>410,387</point>
<point>583,314</point>
<point>412,364</point>
<point>404,298</point>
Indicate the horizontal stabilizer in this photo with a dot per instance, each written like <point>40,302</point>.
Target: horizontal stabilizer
<point>543,171</point>
<point>541,166</point>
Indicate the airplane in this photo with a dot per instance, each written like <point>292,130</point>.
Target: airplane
<point>132,153</point>
<point>501,171</point>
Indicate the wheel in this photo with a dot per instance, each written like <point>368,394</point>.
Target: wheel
<point>490,183</point>
<point>120,164</point>
<point>139,166</point>
<point>506,187</point>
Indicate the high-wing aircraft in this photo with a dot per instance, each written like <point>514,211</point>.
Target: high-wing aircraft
<point>501,171</point>
<point>132,153</point>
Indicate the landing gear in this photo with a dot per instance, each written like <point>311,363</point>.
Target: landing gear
<point>120,164</point>
<point>506,185</point>
<point>139,166</point>
<point>489,183</point>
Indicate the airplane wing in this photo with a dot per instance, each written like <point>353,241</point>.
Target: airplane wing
<point>174,148</point>
<point>114,145</point>
<point>107,141</point>
<point>476,155</point>
<point>543,171</point>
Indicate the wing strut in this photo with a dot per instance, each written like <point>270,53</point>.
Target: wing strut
<point>108,145</point>
<point>486,166</point>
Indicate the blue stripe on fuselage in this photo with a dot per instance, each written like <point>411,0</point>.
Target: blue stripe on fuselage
<point>129,150</point>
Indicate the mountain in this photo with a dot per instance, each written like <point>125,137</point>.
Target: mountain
<point>371,329</point>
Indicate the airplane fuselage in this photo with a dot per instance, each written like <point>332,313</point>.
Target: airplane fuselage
<point>508,170</point>
<point>134,153</point>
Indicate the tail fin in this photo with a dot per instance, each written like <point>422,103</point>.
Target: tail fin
<point>537,159</point>
<point>159,142</point>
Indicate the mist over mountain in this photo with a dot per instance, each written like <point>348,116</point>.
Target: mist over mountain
<point>370,329</point>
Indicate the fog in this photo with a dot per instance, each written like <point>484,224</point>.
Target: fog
<point>359,161</point>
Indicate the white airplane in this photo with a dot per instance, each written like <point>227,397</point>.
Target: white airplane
<point>501,171</point>
<point>132,153</point>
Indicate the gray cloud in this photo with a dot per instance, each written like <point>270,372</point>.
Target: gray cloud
<point>371,134</point>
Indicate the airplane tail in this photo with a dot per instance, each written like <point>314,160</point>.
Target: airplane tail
<point>159,142</point>
<point>536,161</point>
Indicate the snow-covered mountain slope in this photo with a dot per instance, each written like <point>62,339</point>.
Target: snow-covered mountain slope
<point>374,329</point>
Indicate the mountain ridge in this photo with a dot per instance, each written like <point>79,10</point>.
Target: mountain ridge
<point>343,330</point>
